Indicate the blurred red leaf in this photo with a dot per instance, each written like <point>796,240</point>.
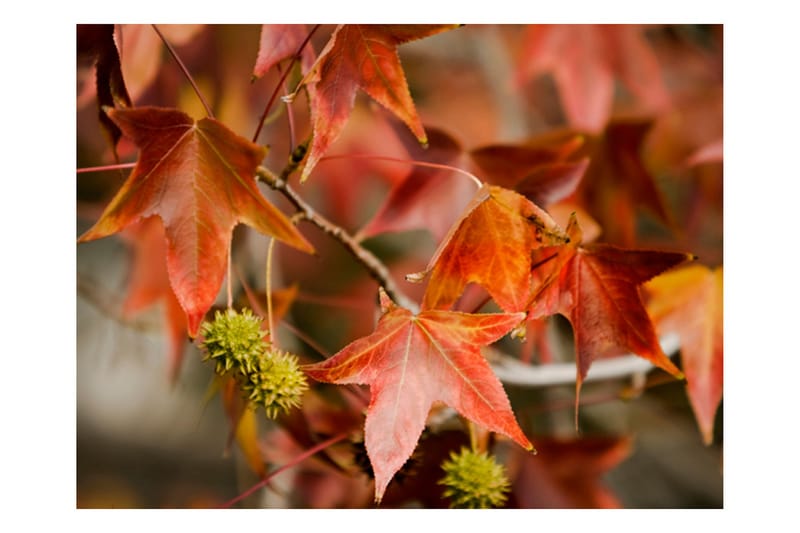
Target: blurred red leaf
<point>491,245</point>
<point>586,60</point>
<point>198,176</point>
<point>507,164</point>
<point>142,51</point>
<point>411,361</point>
<point>618,183</point>
<point>689,301</point>
<point>360,56</point>
<point>427,198</point>
<point>278,42</point>
<point>567,474</point>
<point>96,43</point>
<point>148,283</point>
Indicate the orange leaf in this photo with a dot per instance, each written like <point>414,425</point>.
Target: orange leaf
<point>689,302</point>
<point>362,56</point>
<point>411,361</point>
<point>490,245</point>
<point>198,176</point>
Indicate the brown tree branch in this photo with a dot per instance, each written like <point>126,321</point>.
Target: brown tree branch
<point>374,266</point>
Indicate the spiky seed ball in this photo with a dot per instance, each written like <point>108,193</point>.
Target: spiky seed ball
<point>233,340</point>
<point>474,480</point>
<point>276,382</point>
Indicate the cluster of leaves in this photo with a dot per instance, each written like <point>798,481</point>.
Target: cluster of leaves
<point>515,236</point>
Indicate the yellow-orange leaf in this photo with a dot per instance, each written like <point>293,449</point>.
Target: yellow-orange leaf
<point>491,245</point>
<point>689,302</point>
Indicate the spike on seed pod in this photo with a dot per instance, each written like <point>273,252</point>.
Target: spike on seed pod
<point>474,480</point>
<point>276,382</point>
<point>233,340</point>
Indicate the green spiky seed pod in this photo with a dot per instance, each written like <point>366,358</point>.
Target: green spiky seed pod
<point>233,340</point>
<point>276,382</point>
<point>474,480</point>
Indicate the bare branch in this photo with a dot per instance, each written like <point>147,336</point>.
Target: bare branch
<point>374,266</point>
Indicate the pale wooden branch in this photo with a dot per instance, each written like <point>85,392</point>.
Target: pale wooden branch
<point>513,372</point>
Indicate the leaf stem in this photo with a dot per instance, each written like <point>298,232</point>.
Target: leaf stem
<point>120,166</point>
<point>478,183</point>
<point>185,71</point>
<point>278,85</point>
<point>271,247</point>
<point>303,456</point>
<point>374,266</point>
<point>230,282</point>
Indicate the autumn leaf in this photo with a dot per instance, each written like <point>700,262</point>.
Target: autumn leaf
<point>361,56</point>
<point>142,51</point>
<point>411,361</point>
<point>198,176</point>
<point>244,427</point>
<point>597,290</point>
<point>278,42</point>
<point>567,474</point>
<point>586,60</point>
<point>618,183</point>
<point>689,301</point>
<point>148,283</point>
<point>508,164</point>
<point>491,245</point>
<point>96,42</point>
<point>427,198</point>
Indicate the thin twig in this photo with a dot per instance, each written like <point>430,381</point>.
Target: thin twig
<point>185,71</point>
<point>374,266</point>
<point>478,183</point>
<point>278,85</point>
<point>272,338</point>
<point>303,456</point>
<point>121,166</point>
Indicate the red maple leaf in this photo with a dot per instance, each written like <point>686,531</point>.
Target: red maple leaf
<point>689,301</point>
<point>198,176</point>
<point>597,289</point>
<point>411,361</point>
<point>361,56</point>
